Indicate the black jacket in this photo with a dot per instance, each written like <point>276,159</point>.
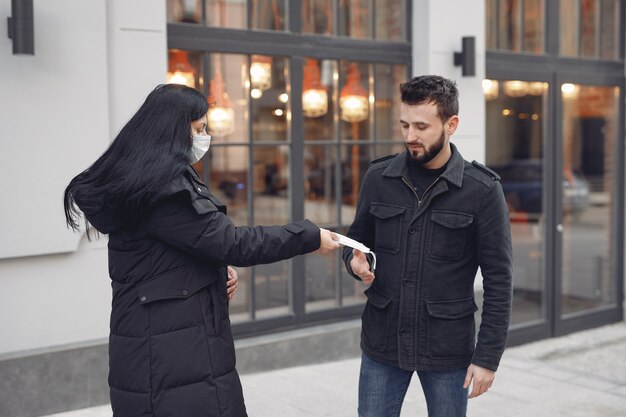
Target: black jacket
<point>420,309</point>
<point>171,352</point>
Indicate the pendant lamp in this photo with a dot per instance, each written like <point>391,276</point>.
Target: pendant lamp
<point>221,115</point>
<point>180,71</point>
<point>314,95</point>
<point>353,98</point>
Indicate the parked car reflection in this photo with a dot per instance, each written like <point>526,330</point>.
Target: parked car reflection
<point>522,183</point>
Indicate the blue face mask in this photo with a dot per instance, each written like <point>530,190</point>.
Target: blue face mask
<point>199,147</point>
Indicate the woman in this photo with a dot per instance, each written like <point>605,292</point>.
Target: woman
<point>171,352</point>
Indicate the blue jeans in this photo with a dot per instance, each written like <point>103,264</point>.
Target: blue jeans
<point>382,389</point>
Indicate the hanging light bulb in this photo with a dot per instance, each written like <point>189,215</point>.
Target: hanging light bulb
<point>261,72</point>
<point>221,115</point>
<point>515,88</point>
<point>180,70</point>
<point>353,98</point>
<point>314,95</point>
<point>490,89</point>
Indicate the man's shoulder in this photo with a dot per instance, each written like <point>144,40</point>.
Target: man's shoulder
<point>382,161</point>
<point>481,173</point>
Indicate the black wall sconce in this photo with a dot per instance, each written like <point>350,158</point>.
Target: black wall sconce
<point>467,57</point>
<point>22,27</point>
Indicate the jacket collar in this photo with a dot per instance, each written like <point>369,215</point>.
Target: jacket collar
<point>453,173</point>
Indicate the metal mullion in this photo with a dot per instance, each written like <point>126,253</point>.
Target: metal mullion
<point>204,22</point>
<point>335,12</point>
<point>294,16</point>
<point>496,13</point>
<point>296,128</point>
<point>372,19</point>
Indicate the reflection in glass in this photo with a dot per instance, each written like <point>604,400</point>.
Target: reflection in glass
<point>321,278</point>
<point>589,28</point>
<point>509,25</point>
<point>389,149</point>
<point>610,12</point>
<point>569,27</point>
<point>354,19</point>
<point>271,185</point>
<point>184,11</point>
<point>515,125</point>
<point>317,17</point>
<point>491,24</point>
<point>228,115</point>
<point>354,95</point>
<point>229,179</point>
<point>355,160</point>
<point>387,103</point>
<point>267,14</point>
<point>390,20</point>
<point>272,289</point>
<point>226,13</point>
<point>590,128</point>
<point>534,25</point>
<point>320,204</point>
<point>270,107</point>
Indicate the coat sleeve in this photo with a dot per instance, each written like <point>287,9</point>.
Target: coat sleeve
<point>362,228</point>
<point>210,234</point>
<point>496,264</point>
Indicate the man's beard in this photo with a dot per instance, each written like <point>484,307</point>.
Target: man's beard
<point>429,153</point>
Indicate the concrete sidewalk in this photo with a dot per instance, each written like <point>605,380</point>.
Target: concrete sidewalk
<point>580,375</point>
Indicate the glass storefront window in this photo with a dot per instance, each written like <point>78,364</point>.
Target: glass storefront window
<point>515,25</point>
<point>317,17</point>
<point>387,104</point>
<point>515,121</point>
<point>268,91</point>
<point>590,130</point>
<point>590,28</point>
<point>354,100</point>
<point>267,14</point>
<point>390,18</point>
<point>354,19</point>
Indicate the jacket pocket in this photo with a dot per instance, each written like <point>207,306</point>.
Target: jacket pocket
<point>451,328</point>
<point>178,283</point>
<point>448,234</point>
<point>388,221</point>
<point>376,316</point>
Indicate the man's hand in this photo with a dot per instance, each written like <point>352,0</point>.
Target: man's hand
<point>361,267</point>
<point>231,284</point>
<point>482,379</point>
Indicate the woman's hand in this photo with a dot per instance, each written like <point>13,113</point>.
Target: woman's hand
<point>231,284</point>
<point>328,241</point>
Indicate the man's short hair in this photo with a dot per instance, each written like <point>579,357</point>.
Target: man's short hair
<point>432,89</point>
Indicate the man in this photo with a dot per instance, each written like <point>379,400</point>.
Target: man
<point>432,219</point>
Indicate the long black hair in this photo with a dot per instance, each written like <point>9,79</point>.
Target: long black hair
<point>151,150</point>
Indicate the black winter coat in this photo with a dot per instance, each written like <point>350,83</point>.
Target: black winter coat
<point>171,353</point>
<point>420,308</point>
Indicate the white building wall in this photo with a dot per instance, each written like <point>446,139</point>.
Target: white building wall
<point>438,26</point>
<point>94,64</point>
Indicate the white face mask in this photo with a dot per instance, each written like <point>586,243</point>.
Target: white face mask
<point>199,147</point>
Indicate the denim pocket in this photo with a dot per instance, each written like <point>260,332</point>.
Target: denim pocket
<point>448,234</point>
<point>451,328</point>
<point>388,220</point>
<point>375,319</point>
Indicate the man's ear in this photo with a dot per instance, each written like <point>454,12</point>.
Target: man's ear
<point>452,124</point>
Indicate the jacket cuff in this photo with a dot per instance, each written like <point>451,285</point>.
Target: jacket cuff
<point>486,359</point>
<point>310,234</point>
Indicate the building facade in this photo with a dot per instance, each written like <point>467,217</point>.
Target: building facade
<point>306,94</point>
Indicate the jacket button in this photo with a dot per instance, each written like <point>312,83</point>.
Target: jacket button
<point>406,282</point>
<point>412,230</point>
<point>143,299</point>
<point>403,332</point>
<point>185,292</point>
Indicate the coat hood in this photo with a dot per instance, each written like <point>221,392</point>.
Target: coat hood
<point>95,209</point>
